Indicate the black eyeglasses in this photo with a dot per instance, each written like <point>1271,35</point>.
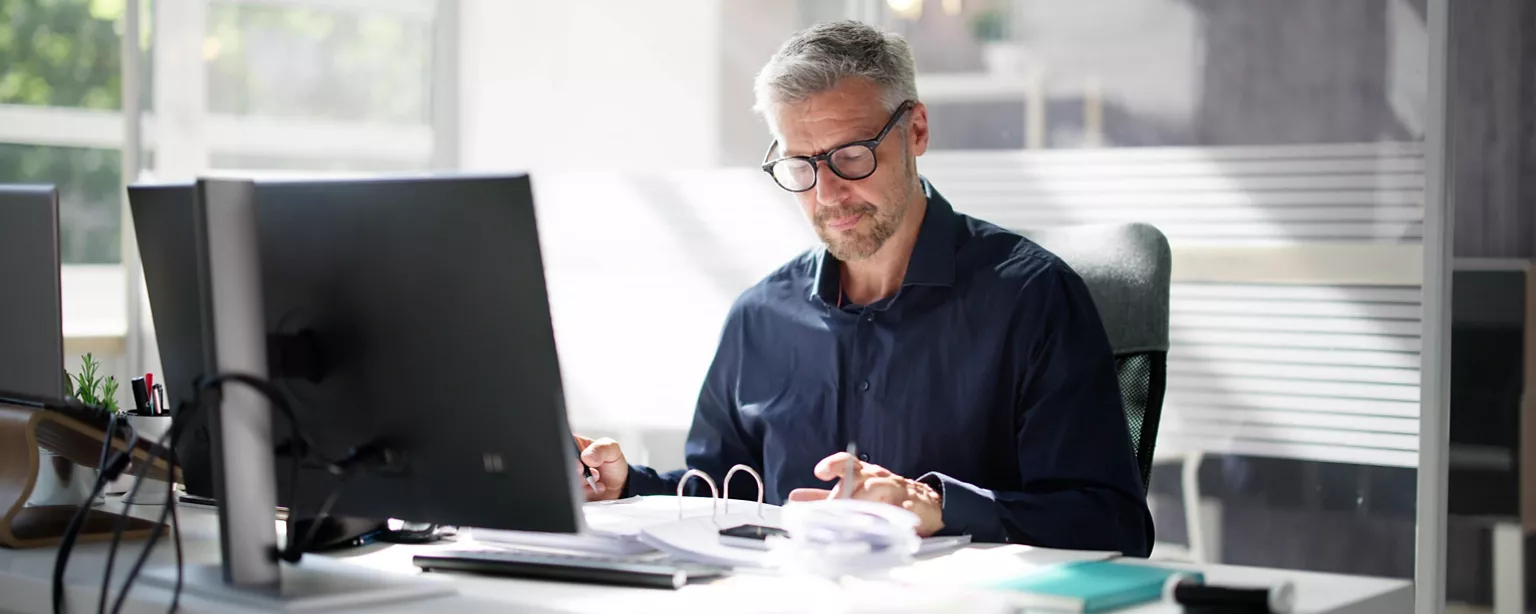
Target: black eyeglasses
<point>853,161</point>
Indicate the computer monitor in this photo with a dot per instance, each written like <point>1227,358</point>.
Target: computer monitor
<point>1491,407</point>
<point>31,315</point>
<point>166,228</point>
<point>409,314</point>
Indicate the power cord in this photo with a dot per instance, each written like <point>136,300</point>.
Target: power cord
<point>168,508</point>
<point>110,470</point>
<point>154,532</point>
<point>118,527</point>
<point>106,445</point>
<point>298,444</point>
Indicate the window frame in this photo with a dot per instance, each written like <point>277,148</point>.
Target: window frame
<point>97,296</point>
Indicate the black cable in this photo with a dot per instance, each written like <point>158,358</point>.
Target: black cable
<point>139,477</point>
<point>170,502</point>
<point>113,468</point>
<point>169,440</point>
<point>106,444</point>
<point>154,531</point>
<point>298,546</point>
<point>300,446</point>
<point>298,437</point>
<point>289,553</point>
<point>101,467</point>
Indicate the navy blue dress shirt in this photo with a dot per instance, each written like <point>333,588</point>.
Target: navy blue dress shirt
<point>988,375</point>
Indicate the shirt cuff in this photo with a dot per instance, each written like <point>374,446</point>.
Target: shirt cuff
<point>967,509</point>
<point>643,481</point>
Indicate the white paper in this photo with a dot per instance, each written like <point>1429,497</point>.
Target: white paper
<point>614,527</point>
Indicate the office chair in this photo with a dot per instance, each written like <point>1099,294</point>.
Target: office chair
<point>1126,268</point>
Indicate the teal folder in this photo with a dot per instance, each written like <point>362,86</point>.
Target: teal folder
<point>1092,586</point>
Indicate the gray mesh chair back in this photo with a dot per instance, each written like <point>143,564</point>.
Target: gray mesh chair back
<point>1126,268</point>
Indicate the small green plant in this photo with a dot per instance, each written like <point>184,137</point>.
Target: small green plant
<point>89,388</point>
<point>991,26</point>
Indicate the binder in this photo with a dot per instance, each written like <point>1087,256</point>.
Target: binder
<point>618,527</point>
<point>614,527</point>
<point>686,528</point>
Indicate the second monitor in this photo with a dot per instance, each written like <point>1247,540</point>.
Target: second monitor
<point>409,315</point>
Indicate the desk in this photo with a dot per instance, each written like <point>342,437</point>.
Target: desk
<point>25,585</point>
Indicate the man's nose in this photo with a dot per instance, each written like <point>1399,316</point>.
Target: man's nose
<point>831,190</point>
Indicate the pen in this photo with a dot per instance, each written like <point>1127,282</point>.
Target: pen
<point>141,398</point>
<point>847,485</point>
<point>587,471</point>
<point>159,397</point>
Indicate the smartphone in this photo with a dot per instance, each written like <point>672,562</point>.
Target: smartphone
<point>750,536</point>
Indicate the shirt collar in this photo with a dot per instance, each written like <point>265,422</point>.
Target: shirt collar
<point>933,257</point>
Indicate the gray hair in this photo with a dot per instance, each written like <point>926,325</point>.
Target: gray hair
<point>817,58</point>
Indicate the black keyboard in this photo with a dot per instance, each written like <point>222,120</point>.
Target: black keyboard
<point>621,571</point>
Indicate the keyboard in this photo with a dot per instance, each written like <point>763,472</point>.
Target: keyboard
<point>559,567</point>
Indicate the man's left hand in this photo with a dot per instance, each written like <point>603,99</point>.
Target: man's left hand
<point>875,483</point>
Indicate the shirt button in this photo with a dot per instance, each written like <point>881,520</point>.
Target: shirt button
<point>864,386</point>
<point>864,456</point>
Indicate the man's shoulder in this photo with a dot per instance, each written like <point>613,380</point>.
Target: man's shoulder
<point>991,254</point>
<point>787,286</point>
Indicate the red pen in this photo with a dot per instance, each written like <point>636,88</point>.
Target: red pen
<point>149,384</point>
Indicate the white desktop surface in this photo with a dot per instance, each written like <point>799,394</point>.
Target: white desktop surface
<point>25,585</point>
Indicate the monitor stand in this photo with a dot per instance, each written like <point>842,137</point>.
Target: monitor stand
<point>315,584</point>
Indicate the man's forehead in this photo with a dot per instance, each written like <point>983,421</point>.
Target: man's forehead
<point>815,125</point>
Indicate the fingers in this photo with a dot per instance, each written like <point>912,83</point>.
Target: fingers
<point>887,490</point>
<point>589,481</point>
<point>604,458</point>
<point>600,452</point>
<point>835,466</point>
<point>809,494</point>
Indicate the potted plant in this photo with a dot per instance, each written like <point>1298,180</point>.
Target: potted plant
<point>89,388</point>
<point>1001,52</point>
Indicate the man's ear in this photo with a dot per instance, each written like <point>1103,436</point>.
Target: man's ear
<point>919,129</point>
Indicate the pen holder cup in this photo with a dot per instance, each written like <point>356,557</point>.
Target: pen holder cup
<point>152,491</point>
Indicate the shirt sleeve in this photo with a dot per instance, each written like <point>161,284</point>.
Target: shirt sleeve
<point>716,440</point>
<point>1080,486</point>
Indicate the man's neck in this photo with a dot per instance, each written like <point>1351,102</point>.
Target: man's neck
<point>880,275</point>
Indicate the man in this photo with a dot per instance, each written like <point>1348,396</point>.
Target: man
<point>967,364</point>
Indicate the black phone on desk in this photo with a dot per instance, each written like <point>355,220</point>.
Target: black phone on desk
<point>750,536</point>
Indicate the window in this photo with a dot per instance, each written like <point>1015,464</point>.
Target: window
<point>342,63</point>
<point>59,94</point>
<point>90,224</point>
<point>60,53</point>
<point>307,86</point>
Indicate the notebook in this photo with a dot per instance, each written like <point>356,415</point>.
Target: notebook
<point>1089,586</point>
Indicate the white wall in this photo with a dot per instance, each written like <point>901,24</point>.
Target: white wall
<point>589,84</point>
<point>609,103</point>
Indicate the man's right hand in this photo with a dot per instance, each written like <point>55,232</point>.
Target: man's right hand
<point>605,456</point>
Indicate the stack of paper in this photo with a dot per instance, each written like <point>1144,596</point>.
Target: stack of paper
<point>687,528</point>
<point>614,527</point>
